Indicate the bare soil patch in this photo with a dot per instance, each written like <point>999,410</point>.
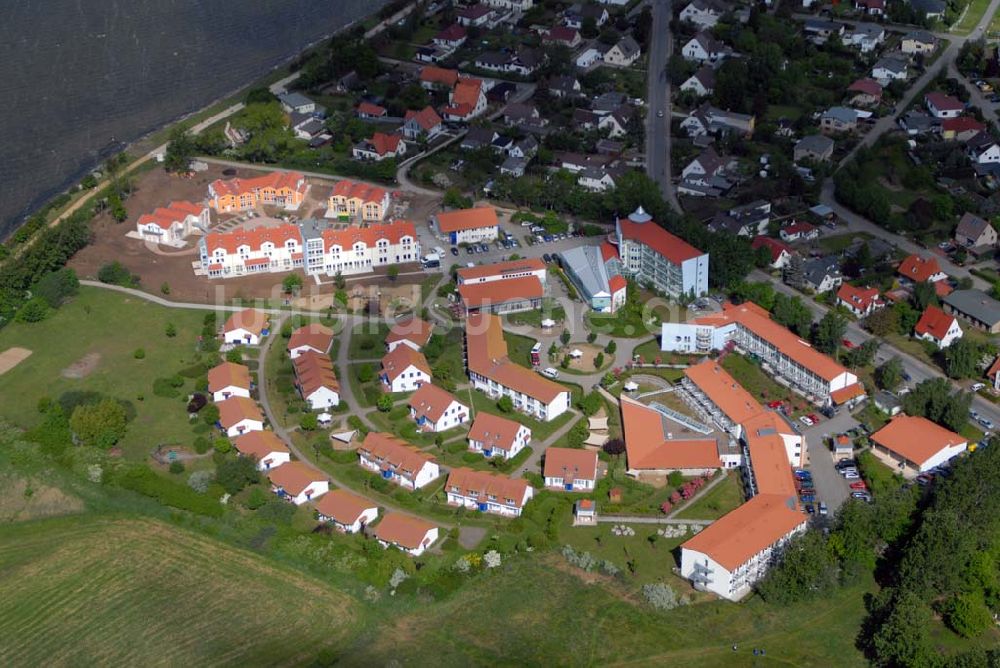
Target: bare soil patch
<point>585,362</point>
<point>11,357</point>
<point>23,499</point>
<point>83,367</point>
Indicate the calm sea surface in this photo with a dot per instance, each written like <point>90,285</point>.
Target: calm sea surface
<point>78,77</point>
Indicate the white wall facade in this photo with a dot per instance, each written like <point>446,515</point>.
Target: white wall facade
<point>408,381</point>
<point>579,485</point>
<point>244,426</point>
<point>273,460</point>
<point>507,451</point>
<point>241,336</point>
<point>323,397</point>
<point>522,402</point>
<point>230,391</point>
<point>495,507</point>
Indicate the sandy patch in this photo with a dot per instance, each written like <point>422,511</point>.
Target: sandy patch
<point>83,367</point>
<point>11,357</point>
<point>585,362</point>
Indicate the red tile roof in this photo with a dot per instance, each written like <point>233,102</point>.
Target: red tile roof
<point>962,124</point>
<point>439,75</point>
<point>570,464</point>
<point>491,293</point>
<point>486,487</point>
<point>401,359</point>
<point>723,391</point>
<point>918,269</point>
<point>647,445</point>
<point>314,335</point>
<point>431,401</point>
<point>563,34</point>
<point>994,368</point>
<point>363,191</point>
<point>411,329</point>
<point>944,102</point>
<point>426,118</point>
<point>394,453</point>
<point>666,244</point>
<point>866,86</point>
<point>486,352</point>
<point>254,238</point>
<point>249,319</point>
<point>617,282</point>
<point>845,394</point>
<point>859,298</point>
<point>370,109</point>
<point>314,371</point>
<point>934,322</point>
<point>228,374</point>
<point>259,444</point>
<point>295,477</point>
<point>467,219</point>
<point>501,268</point>
<point>175,212</point>
<point>403,530</point>
<point>608,251</point>
<point>452,33</point>
<point>343,507</point>
<point>494,431</point>
<point>382,143</point>
<point>467,91</point>
<point>775,246</point>
<point>916,438</point>
<point>273,180</point>
<point>236,409</point>
<point>393,233</point>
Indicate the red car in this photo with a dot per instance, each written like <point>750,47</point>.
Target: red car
<point>847,344</point>
<point>814,418</point>
<point>859,485</point>
<point>774,405</point>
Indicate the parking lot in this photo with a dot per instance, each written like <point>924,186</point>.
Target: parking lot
<point>831,488</point>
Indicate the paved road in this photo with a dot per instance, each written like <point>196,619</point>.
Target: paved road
<point>658,98</point>
<point>918,370</point>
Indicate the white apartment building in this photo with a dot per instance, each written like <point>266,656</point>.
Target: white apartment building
<point>659,259</point>
<point>487,492</point>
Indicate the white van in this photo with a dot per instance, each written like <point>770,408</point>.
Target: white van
<point>549,372</point>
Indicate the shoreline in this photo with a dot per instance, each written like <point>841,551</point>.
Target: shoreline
<point>144,143</point>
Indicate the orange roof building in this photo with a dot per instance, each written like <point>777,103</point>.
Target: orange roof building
<point>246,327</point>
<point>496,436</point>
<point>651,448</point>
<point>501,271</point>
<point>938,327</point>
<point>492,371</point>
<point>570,469</point>
<point>404,370</point>
<point>229,380</point>
<point>507,296</point>
<point>284,190</point>
<point>487,492</point>
<point>298,482</point>
<point>348,512</point>
<point>432,77</point>
<point>353,200</point>
<point>409,534</point>
<point>397,461</point>
<point>652,255</point>
<point>410,331</point>
<point>423,122</point>
<point>436,410</point>
<point>911,445</point>
<point>171,224</point>
<point>718,393</point>
<point>380,146</point>
<point>239,415</point>
<point>269,450</point>
<point>316,380</point>
<point>314,336</point>
<point>919,269</point>
<point>861,302</point>
<point>468,100</point>
<point>467,225</point>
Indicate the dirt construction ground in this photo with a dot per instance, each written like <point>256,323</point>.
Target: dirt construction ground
<point>155,265</point>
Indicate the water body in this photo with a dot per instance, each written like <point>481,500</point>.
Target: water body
<point>80,77</point>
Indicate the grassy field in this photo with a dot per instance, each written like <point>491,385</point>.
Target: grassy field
<point>758,383</point>
<point>838,243</point>
<point>554,614</point>
<point>141,592</point>
<point>719,500</point>
<point>368,340</point>
<point>80,332</point>
<point>479,401</point>
<point>973,13</point>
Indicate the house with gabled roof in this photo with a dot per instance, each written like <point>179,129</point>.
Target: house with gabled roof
<point>269,450</point>
<point>467,101</point>
<point>409,331</point>
<point>918,41</point>
<point>229,380</point>
<point>380,146</point>
<point>703,13</point>
<point>495,436</point>
<point>624,53</point>
<point>865,92</point>
<point>701,83</point>
<point>569,469</point>
<point>246,327</point>
<point>298,482</point>
<point>351,199</point>
<point>938,327</point>
<point>943,106</point>
<point>347,512</point>
<point>487,492</point>
<point>422,123</point>
<point>313,337</point>
<point>818,148</point>
<point>171,224</point>
<point>370,110</point>
<point>435,409</point>
<point>404,370</point>
<point>781,253</point>
<point>704,48</point>
<point>410,534</point>
<point>919,269</point>
<point>397,461</point>
<point>973,231</point>
<point>239,415</point>
<point>476,225</point>
<point>911,445</point>
<point>451,37</point>
<point>862,302</point>
<point>316,380</point>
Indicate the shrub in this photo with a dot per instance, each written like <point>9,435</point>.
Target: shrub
<point>222,445</point>
<point>164,387</point>
<point>661,596</point>
<point>365,373</point>
<point>198,401</point>
<point>309,422</point>
<point>235,473</point>
<point>256,499</point>
<point>176,467</point>
<point>145,481</point>
<point>384,403</point>
<point>235,356</point>
<point>139,353</point>
<point>201,445</point>
<point>591,337</point>
<point>33,310</point>
<point>165,288</point>
<point>115,273</point>
<point>200,480</point>
<point>171,330</point>
<point>99,425</point>
<point>967,615</point>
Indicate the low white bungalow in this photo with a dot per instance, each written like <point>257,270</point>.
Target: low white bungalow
<point>570,470</point>
<point>404,370</point>
<point>269,450</point>
<point>349,513</point>
<point>409,534</point>
<point>298,482</point>
<point>246,327</point>
<point>495,436</point>
<point>229,380</point>
<point>239,415</point>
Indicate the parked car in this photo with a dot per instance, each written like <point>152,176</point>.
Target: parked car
<point>822,509</point>
<point>802,473</point>
<point>985,422</point>
<point>862,496</point>
<point>977,386</point>
<point>851,475</point>
<point>859,485</point>
<point>775,405</point>
<point>454,251</point>
<point>806,420</point>
<point>847,343</point>
<point>814,418</point>
<point>550,373</point>
<point>846,464</point>
<point>808,498</point>
<point>811,509</point>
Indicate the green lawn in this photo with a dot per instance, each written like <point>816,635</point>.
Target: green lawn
<point>533,318</point>
<point>838,243</point>
<point>725,496</point>
<point>106,328</point>
<point>368,340</point>
<point>757,382</point>
<point>652,559</point>
<point>519,348</point>
<point>649,350</point>
<point>973,13</point>
<point>479,401</point>
<point>156,594</point>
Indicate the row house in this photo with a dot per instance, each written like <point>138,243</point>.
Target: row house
<point>264,446</point>
<point>487,492</point>
<point>397,461</point>
<point>298,482</point>
<point>285,190</point>
<point>359,201</point>
<point>313,337</point>
<point>495,436</point>
<point>251,251</point>
<point>316,380</point>
<point>357,250</point>
<point>347,512</point>
<point>405,532</point>
<point>172,223</point>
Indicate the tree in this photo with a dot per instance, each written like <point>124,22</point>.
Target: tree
<point>903,638</point>
<point>291,283</point>
<point>883,322</point>
<point>57,286</point>
<point>171,330</point>
<point>309,421</point>
<point>591,337</point>
<point>598,360</point>
<point>365,373</point>
<point>614,447</point>
<point>794,273</point>
<point>934,400</point>
<point>180,150</point>
<point>384,403</point>
<point>760,293</point>
<point>261,95</point>
<point>924,295</point>
<point>967,615</point>
<point>116,274</point>
<point>235,356</point>
<point>889,376</point>
<point>35,309</point>
<point>505,404</point>
<point>792,313</point>
<point>340,281</point>
<point>591,403</point>
<point>564,337</point>
<point>165,288</point>
<point>235,473</point>
<point>961,358</point>
<point>863,355</point>
<point>392,271</point>
<point>805,569</point>
<point>99,425</point>
<point>611,347</point>
<point>830,332</point>
<point>209,414</point>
